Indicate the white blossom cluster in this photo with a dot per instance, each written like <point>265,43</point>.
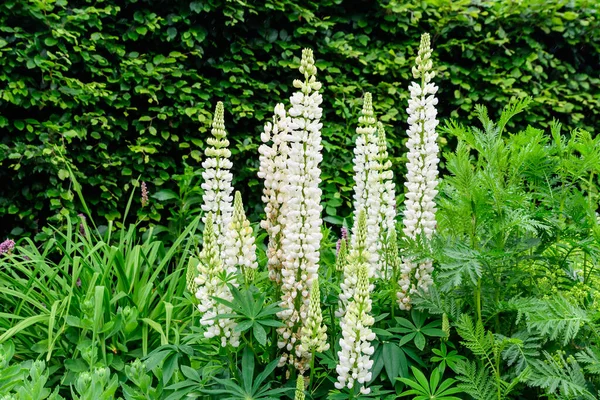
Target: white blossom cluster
<point>217,177</point>
<point>272,169</point>
<point>367,184</point>
<point>421,179</point>
<point>212,282</point>
<point>313,335</point>
<point>240,249</point>
<point>354,368</point>
<point>301,211</point>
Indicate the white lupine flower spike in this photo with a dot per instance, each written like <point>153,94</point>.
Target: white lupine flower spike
<point>354,368</point>
<point>300,211</point>
<point>358,255</point>
<point>217,178</point>
<point>240,249</point>
<point>273,169</point>
<point>422,176</point>
<point>367,185</point>
<point>212,282</point>
<point>387,210</point>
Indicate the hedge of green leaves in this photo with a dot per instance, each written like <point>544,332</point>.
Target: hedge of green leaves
<point>114,90</point>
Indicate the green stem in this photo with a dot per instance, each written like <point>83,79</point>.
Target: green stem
<point>312,373</point>
<point>333,331</point>
<point>478,300</point>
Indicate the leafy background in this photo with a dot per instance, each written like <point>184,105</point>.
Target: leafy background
<point>116,90</point>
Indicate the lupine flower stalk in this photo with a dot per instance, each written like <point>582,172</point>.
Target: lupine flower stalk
<point>211,281</point>
<point>273,169</point>
<point>301,211</point>
<point>367,184</point>
<point>240,249</point>
<point>421,179</point>
<point>354,368</point>
<point>314,336</point>
<point>217,178</point>
<point>144,196</point>
<point>299,395</point>
<point>341,259</point>
<point>358,255</point>
<point>388,191</point>
<point>190,275</point>
<point>387,200</point>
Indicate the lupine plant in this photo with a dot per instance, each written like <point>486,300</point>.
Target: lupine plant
<point>282,308</point>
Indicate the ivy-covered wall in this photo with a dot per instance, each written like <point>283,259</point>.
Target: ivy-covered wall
<point>122,89</point>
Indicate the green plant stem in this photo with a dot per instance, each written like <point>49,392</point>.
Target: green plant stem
<point>312,373</point>
<point>478,300</point>
<point>333,324</point>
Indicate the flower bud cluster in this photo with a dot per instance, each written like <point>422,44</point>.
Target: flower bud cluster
<point>217,177</point>
<point>299,395</point>
<point>212,282</point>
<point>422,176</point>
<point>300,211</point>
<point>358,255</point>
<point>273,170</point>
<point>313,335</point>
<point>354,368</point>
<point>240,249</point>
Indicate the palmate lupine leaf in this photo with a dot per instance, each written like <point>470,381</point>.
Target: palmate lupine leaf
<point>422,388</point>
<point>560,377</point>
<point>249,388</point>
<point>555,319</point>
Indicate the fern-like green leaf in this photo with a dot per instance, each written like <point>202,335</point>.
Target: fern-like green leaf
<point>591,359</point>
<point>522,348</point>
<point>555,319</point>
<point>560,377</point>
<point>476,339</point>
<point>476,381</point>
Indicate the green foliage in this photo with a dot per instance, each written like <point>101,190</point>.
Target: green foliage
<point>250,312</point>
<point>124,89</point>
<point>91,300</point>
<point>424,389</point>
<point>249,387</point>
<point>556,319</point>
<point>517,251</point>
<point>562,377</point>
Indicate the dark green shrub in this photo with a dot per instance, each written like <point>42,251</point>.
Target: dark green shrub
<point>124,89</point>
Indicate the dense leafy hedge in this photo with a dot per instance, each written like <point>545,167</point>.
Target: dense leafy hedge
<point>126,89</point>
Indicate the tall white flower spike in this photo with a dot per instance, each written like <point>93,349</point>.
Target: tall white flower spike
<point>217,177</point>
<point>300,211</point>
<point>355,363</point>
<point>387,202</point>
<point>367,185</point>
<point>211,282</point>
<point>422,176</point>
<point>273,169</point>
<point>240,249</point>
